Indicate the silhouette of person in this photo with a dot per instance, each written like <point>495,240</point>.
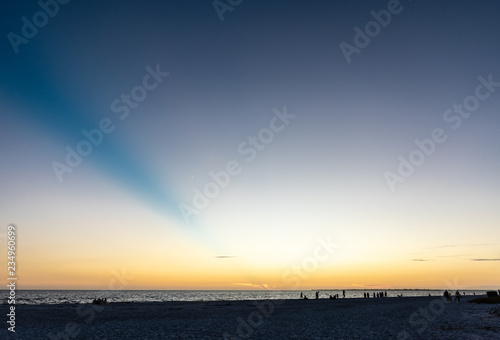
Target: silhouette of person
<point>301,296</point>
<point>364,295</point>
<point>386,294</point>
<point>457,296</point>
<point>317,295</point>
<point>343,293</point>
<point>446,294</point>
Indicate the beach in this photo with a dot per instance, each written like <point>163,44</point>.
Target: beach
<point>384,318</point>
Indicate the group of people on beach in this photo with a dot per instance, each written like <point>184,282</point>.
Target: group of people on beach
<point>331,297</point>
<point>100,301</point>
<point>336,296</point>
<point>448,296</point>
<point>375,295</point>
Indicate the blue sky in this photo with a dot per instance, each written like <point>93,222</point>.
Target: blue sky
<point>323,174</point>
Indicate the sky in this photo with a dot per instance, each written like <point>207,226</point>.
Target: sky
<point>251,144</point>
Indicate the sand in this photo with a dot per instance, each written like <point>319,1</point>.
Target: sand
<point>387,318</point>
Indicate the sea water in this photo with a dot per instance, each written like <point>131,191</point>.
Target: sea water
<point>36,297</point>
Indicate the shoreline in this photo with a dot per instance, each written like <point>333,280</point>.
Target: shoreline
<point>311,298</point>
<point>71,296</point>
<point>375,318</point>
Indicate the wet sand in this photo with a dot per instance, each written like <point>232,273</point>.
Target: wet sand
<point>386,318</point>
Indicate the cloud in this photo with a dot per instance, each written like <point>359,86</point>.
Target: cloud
<point>485,259</point>
<point>461,245</point>
<point>422,260</point>
<point>457,255</point>
<point>372,286</point>
<point>261,286</point>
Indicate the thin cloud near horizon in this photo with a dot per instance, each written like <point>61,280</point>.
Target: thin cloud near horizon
<point>485,259</point>
<point>422,260</point>
<point>461,245</point>
<point>261,286</point>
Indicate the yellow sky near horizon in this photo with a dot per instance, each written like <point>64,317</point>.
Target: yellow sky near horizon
<point>171,260</point>
<point>396,248</point>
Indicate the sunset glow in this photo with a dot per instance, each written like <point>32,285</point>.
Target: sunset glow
<point>163,148</point>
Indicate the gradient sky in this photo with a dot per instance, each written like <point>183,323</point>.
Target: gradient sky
<point>323,176</point>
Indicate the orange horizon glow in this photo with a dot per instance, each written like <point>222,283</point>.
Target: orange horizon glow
<point>134,278</point>
<point>298,265</point>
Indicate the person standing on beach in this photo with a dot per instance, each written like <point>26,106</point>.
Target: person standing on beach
<point>457,296</point>
<point>343,293</point>
<point>447,295</point>
<point>317,295</point>
<point>301,296</point>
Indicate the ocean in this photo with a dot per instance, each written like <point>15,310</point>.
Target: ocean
<point>37,297</point>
